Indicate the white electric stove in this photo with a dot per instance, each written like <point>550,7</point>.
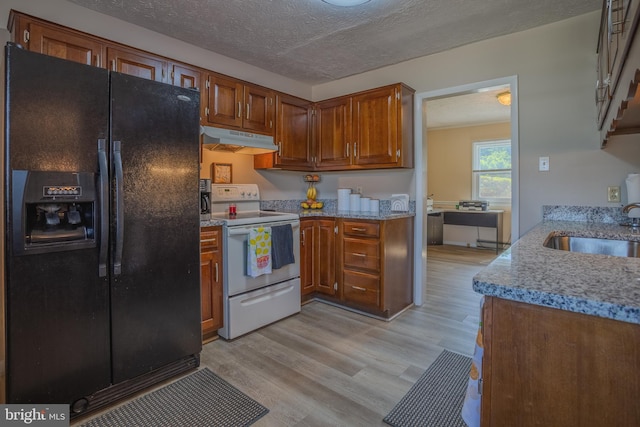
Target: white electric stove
<point>252,302</point>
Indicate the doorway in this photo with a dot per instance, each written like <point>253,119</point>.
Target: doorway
<point>421,173</point>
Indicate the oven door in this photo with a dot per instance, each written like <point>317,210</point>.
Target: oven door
<point>236,280</point>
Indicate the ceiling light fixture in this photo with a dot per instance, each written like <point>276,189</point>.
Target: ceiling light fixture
<point>504,98</point>
<point>346,3</point>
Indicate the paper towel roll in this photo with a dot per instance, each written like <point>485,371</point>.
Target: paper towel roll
<point>633,188</point>
<point>354,202</point>
<point>343,199</point>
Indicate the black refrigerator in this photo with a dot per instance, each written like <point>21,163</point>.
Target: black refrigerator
<point>102,279</point>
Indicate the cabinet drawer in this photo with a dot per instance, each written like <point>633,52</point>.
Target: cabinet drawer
<point>368,229</point>
<point>361,288</point>
<point>209,239</point>
<point>359,253</point>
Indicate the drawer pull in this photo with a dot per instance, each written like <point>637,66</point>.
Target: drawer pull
<point>358,288</point>
<point>359,254</point>
<point>358,229</point>
<point>208,240</point>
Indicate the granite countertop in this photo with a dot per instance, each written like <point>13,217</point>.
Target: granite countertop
<point>598,285</point>
<point>329,213</point>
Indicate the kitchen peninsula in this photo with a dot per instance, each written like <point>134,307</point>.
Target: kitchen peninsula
<point>561,331</point>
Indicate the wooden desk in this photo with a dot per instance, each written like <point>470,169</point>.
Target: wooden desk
<point>490,219</point>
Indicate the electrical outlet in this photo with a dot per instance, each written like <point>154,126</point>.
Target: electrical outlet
<point>613,194</point>
<point>359,189</point>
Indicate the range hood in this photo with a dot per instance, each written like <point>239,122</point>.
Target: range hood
<point>235,141</point>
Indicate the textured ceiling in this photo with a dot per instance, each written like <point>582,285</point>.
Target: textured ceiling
<point>314,42</point>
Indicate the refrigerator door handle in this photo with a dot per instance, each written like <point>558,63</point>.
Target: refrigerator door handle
<point>104,207</point>
<point>119,208</point>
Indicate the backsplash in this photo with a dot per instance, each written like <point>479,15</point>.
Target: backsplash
<point>605,215</point>
<point>329,205</point>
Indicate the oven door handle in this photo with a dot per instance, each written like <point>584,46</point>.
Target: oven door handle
<point>241,231</point>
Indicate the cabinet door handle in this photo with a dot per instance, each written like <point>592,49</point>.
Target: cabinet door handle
<point>303,238</point>
<point>217,276</point>
<point>280,149</point>
<point>358,229</point>
<point>347,149</point>
<point>247,112</point>
<point>239,109</point>
<point>355,149</point>
<point>358,288</point>
<point>359,254</point>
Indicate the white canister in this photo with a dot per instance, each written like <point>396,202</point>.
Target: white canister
<point>374,206</point>
<point>354,202</point>
<point>343,199</point>
<point>364,204</point>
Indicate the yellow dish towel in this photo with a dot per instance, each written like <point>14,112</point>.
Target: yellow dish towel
<point>259,251</point>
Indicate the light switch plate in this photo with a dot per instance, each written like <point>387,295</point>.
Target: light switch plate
<point>543,164</point>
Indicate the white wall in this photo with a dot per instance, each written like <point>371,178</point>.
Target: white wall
<point>555,65</point>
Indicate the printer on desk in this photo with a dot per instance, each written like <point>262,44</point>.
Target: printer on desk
<point>473,205</point>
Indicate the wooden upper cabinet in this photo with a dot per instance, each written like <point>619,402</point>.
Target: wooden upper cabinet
<point>233,103</point>
<point>375,127</point>
<point>224,101</point>
<point>258,109</point>
<point>184,76</point>
<point>333,133</point>
<point>293,132</point>
<point>137,63</point>
<point>59,42</point>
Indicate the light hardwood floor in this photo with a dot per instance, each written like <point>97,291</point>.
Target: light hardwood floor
<point>327,366</point>
<point>330,367</point>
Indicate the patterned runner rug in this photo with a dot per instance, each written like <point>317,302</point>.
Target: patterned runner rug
<point>435,400</point>
<point>200,399</point>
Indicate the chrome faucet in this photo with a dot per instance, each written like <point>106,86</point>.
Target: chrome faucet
<point>635,224</point>
<point>630,206</point>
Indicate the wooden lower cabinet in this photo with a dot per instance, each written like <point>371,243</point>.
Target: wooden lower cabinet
<point>367,266</point>
<point>211,280</point>
<point>317,247</point>
<point>375,264</point>
<point>550,367</point>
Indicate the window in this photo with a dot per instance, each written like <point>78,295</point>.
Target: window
<point>492,172</point>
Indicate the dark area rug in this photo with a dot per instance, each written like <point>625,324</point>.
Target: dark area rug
<point>435,400</point>
<point>200,399</point>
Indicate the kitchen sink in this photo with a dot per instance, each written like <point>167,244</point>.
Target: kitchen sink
<point>590,245</point>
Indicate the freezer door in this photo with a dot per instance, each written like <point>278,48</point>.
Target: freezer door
<point>155,225</point>
<point>57,308</point>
